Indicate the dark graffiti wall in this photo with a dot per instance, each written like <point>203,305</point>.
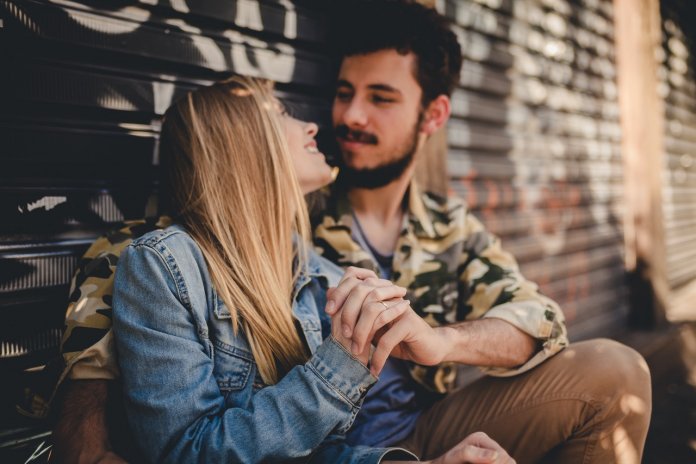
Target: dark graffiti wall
<point>82,92</point>
<point>83,85</point>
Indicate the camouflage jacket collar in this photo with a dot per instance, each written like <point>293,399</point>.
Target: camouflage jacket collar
<point>427,215</point>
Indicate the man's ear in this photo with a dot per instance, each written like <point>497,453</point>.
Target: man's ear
<point>436,114</point>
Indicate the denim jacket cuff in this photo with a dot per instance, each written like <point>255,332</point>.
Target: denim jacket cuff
<point>342,371</point>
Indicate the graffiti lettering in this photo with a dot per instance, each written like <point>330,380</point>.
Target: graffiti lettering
<point>38,452</point>
<point>48,203</point>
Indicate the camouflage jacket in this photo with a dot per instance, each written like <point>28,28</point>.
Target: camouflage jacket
<point>454,271</point>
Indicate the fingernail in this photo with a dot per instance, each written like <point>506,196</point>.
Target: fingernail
<point>346,331</point>
<point>330,306</point>
<point>355,348</point>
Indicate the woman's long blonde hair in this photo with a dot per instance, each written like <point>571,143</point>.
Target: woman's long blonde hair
<point>228,173</point>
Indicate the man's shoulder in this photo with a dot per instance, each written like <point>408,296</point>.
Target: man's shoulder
<point>93,277</point>
<point>115,241</point>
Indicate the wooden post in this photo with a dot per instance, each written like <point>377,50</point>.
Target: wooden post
<point>638,33</point>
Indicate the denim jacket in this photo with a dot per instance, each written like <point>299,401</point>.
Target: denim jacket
<point>191,386</point>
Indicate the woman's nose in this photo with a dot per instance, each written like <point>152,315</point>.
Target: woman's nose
<point>311,129</point>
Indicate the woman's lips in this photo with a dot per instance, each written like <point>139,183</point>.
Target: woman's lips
<point>311,147</point>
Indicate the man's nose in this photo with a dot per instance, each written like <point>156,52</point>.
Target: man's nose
<point>355,114</point>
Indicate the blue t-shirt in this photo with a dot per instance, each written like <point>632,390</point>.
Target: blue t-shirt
<point>395,402</point>
<point>391,408</point>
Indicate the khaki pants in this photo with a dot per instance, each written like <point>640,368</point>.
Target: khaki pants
<point>590,403</point>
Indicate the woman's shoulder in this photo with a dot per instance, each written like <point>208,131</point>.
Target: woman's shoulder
<point>170,257</point>
<point>169,234</point>
<point>173,245</point>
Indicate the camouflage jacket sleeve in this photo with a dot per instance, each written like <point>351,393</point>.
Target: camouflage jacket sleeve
<point>87,346</point>
<point>495,288</point>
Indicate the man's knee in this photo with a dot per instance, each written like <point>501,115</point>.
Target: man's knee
<point>614,370</point>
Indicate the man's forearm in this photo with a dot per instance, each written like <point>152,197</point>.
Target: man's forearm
<point>81,433</point>
<point>487,343</point>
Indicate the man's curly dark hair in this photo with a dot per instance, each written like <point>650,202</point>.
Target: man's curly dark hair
<point>366,26</point>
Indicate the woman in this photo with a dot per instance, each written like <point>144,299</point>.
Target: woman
<point>223,343</point>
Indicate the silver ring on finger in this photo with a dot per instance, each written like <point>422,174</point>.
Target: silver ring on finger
<point>385,305</point>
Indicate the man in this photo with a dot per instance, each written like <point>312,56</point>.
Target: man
<point>590,403</point>
<point>397,72</point>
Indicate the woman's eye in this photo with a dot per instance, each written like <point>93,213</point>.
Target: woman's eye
<point>342,96</point>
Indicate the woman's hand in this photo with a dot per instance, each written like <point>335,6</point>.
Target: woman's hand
<point>359,306</point>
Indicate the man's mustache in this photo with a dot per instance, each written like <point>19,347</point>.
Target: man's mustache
<point>350,135</point>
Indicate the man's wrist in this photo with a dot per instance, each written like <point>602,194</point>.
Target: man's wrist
<point>451,342</point>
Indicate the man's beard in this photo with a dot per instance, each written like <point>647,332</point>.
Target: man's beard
<point>379,176</point>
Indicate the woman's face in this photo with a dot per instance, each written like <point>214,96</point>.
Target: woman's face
<point>310,165</point>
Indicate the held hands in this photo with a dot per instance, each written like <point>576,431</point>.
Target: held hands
<point>367,310</point>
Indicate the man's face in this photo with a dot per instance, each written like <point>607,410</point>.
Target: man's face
<point>376,110</point>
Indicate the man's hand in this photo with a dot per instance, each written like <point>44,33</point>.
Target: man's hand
<point>476,448</point>
<point>409,337</point>
<point>81,434</point>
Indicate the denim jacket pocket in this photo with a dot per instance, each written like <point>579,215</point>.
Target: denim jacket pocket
<point>233,361</point>
<point>232,366</point>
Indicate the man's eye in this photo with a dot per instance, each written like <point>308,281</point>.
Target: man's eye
<point>378,99</point>
<point>343,96</point>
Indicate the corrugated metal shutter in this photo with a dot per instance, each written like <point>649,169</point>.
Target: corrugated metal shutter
<point>535,146</point>
<point>82,90</point>
<point>677,75</point>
